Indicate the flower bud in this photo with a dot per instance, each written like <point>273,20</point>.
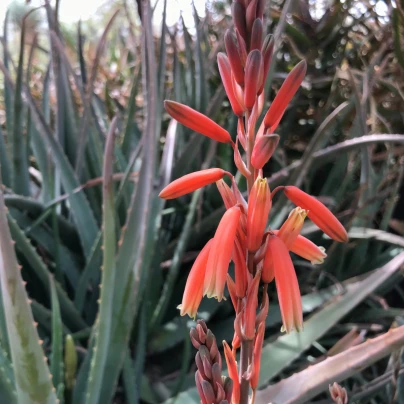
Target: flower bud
<point>263,150</point>
<point>251,14</point>
<point>253,73</point>
<point>234,57</point>
<point>241,47</point>
<point>191,182</point>
<point>239,13</point>
<point>260,9</point>
<point>318,213</point>
<point>259,205</point>
<point>285,94</point>
<point>225,74</point>
<point>196,121</point>
<point>220,253</point>
<point>256,35</point>
<point>267,53</point>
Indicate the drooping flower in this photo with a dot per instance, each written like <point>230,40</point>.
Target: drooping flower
<point>286,285</point>
<point>220,253</point>
<point>191,182</point>
<point>306,249</point>
<point>318,213</point>
<point>194,287</point>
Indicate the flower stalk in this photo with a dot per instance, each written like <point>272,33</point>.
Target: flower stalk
<point>260,254</point>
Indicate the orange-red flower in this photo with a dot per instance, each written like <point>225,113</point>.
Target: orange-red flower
<point>234,57</point>
<point>259,205</point>
<point>263,149</point>
<point>196,121</point>
<point>306,249</point>
<point>194,287</point>
<point>253,78</point>
<point>225,74</point>
<point>285,94</point>
<point>318,213</point>
<point>290,230</point>
<point>286,285</point>
<point>220,254</point>
<point>191,182</point>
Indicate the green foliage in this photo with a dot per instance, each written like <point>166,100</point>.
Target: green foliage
<point>85,148</point>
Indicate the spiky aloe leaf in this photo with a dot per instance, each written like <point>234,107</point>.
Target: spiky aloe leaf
<point>135,248</point>
<point>103,335</point>
<point>57,339</point>
<point>32,377</point>
<point>20,178</point>
<point>296,389</point>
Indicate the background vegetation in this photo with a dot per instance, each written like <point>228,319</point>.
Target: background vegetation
<point>85,147</point>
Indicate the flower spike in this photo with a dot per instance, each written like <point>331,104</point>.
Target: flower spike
<point>194,287</point>
<point>196,121</point>
<point>318,213</point>
<point>191,182</point>
<point>220,254</point>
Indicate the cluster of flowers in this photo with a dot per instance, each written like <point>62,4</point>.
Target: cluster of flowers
<point>260,254</point>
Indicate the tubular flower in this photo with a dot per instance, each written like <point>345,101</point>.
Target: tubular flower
<point>306,249</point>
<point>290,230</point>
<point>286,285</point>
<point>285,94</point>
<point>191,182</point>
<point>196,121</point>
<point>194,287</point>
<point>220,254</point>
<point>259,205</point>
<point>318,213</point>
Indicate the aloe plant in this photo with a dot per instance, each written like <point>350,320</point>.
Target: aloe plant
<point>93,263</point>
